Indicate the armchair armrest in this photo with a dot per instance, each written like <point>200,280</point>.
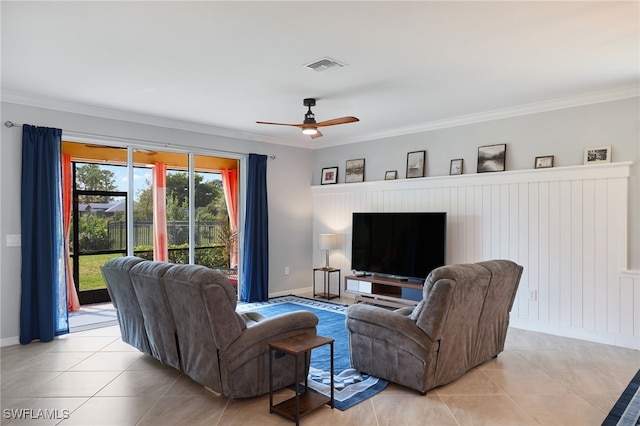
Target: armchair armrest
<point>270,328</point>
<point>369,320</point>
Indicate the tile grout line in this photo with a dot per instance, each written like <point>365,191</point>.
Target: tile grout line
<point>158,399</point>
<point>511,397</point>
<point>448,408</point>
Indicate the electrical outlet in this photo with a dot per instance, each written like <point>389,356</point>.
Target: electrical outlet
<point>14,240</point>
<point>533,295</point>
<point>286,270</point>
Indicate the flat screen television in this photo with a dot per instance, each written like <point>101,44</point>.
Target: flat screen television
<point>399,245</point>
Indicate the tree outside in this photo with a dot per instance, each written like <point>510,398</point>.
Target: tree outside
<point>91,177</point>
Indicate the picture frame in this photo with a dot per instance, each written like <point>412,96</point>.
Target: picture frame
<point>329,176</point>
<point>354,171</point>
<point>491,158</point>
<point>455,168</point>
<point>415,164</point>
<point>390,175</point>
<point>544,162</point>
<point>597,154</point>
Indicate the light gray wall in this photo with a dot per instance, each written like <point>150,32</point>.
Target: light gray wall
<point>289,195</point>
<point>563,133</point>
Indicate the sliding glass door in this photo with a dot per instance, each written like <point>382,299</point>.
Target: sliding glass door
<point>98,230</point>
<point>169,206</point>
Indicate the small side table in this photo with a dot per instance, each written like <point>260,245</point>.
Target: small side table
<point>326,276</point>
<point>306,401</point>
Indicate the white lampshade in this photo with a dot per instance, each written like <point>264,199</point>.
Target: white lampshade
<point>309,130</point>
<point>327,241</point>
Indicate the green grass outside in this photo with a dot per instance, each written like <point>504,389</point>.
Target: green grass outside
<point>90,275</point>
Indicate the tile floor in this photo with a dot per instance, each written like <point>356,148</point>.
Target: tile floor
<point>93,378</point>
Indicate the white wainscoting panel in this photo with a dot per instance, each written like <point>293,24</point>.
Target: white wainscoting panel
<point>566,225</point>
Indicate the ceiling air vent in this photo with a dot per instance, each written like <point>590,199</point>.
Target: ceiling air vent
<point>324,64</point>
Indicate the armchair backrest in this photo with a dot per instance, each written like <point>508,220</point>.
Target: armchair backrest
<point>494,321</point>
<point>158,319</point>
<point>453,300</point>
<point>191,286</point>
<point>204,302</point>
<point>466,308</point>
<point>115,272</point>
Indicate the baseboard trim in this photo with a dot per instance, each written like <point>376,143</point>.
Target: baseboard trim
<point>620,340</point>
<point>9,341</point>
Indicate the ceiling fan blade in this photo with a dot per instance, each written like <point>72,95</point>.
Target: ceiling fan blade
<point>317,135</point>
<point>334,121</point>
<point>279,124</point>
<point>310,125</point>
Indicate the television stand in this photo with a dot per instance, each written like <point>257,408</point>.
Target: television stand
<point>383,291</point>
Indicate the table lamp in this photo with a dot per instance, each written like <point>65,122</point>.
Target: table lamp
<point>327,242</point>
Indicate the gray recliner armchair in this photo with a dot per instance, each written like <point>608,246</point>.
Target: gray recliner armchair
<point>461,322</point>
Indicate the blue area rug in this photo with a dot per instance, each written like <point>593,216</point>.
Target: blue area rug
<point>350,386</point>
<point>626,411</point>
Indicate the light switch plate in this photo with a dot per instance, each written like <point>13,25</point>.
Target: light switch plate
<point>14,240</point>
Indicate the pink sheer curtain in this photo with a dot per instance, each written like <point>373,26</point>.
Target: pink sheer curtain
<point>159,189</point>
<point>230,187</point>
<point>73,303</point>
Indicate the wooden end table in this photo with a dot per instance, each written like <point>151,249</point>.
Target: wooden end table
<point>304,401</point>
<point>326,276</point>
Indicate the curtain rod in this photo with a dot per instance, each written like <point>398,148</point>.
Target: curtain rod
<point>11,124</point>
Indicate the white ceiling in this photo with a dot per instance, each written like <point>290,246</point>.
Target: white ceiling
<point>410,66</point>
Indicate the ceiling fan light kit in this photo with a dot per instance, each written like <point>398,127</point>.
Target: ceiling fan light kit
<point>309,126</point>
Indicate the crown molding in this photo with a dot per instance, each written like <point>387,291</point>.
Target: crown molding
<point>619,93</point>
<point>138,118</point>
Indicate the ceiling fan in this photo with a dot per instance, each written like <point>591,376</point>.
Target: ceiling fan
<point>310,126</point>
